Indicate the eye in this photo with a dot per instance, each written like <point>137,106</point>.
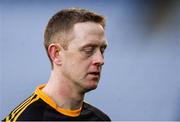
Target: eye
<point>102,49</point>
<point>89,50</point>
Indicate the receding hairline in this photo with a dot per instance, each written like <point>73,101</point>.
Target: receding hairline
<point>80,15</point>
<point>60,27</point>
<point>70,34</point>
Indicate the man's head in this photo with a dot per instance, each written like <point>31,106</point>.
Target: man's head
<point>60,26</point>
<point>75,42</point>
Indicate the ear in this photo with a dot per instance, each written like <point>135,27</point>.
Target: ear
<point>53,51</point>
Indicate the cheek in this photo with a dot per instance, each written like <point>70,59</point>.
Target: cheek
<point>73,65</point>
<point>79,69</point>
<point>76,64</point>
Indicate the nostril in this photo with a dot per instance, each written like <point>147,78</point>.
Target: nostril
<point>98,62</point>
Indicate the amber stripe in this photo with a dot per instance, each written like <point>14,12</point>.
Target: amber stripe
<point>19,113</point>
<point>19,108</point>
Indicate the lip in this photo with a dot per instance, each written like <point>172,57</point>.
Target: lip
<point>97,74</point>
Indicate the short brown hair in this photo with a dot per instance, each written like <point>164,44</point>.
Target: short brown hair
<point>62,23</point>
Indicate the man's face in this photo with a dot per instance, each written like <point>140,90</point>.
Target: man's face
<point>83,60</point>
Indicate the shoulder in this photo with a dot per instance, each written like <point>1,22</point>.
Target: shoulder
<point>34,111</point>
<point>97,112</point>
<point>30,109</point>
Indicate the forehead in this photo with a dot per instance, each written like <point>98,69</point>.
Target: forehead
<point>88,33</point>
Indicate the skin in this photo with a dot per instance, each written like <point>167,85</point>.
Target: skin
<point>77,69</point>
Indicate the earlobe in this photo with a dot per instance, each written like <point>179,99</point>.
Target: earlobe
<point>54,53</point>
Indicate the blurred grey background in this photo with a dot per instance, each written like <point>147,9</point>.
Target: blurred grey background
<point>141,75</point>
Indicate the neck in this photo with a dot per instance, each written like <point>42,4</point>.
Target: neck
<point>64,93</point>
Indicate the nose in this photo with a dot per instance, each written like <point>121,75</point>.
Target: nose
<point>98,58</point>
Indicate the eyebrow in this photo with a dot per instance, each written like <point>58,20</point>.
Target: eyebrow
<point>94,45</point>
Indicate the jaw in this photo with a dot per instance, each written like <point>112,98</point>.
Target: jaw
<point>89,85</point>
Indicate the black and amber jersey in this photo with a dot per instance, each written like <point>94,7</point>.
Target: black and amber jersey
<point>39,107</point>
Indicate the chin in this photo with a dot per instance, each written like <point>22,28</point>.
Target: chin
<point>89,89</point>
<point>91,86</point>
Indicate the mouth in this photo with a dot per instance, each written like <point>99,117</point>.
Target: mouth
<point>97,74</point>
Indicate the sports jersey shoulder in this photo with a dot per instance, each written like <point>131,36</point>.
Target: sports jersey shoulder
<point>22,108</point>
<point>40,107</point>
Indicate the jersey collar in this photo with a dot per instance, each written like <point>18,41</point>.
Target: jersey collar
<point>49,101</point>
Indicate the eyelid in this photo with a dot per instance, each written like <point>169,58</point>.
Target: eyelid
<point>89,48</point>
<point>103,47</point>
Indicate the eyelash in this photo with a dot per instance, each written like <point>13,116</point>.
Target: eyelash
<point>92,50</point>
<point>102,50</point>
<point>89,51</point>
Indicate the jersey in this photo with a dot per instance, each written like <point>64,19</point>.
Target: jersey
<point>40,107</point>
